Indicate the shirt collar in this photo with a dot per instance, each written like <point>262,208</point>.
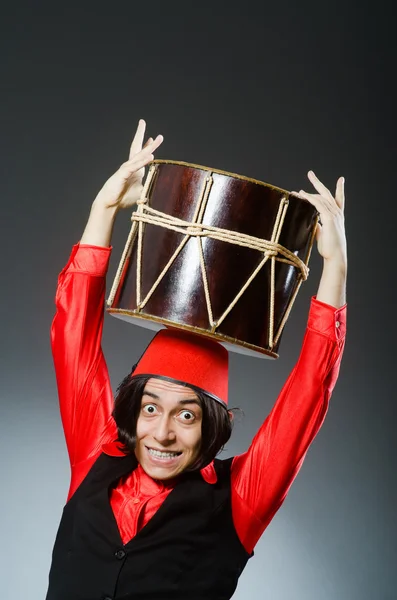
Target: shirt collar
<point>114,449</point>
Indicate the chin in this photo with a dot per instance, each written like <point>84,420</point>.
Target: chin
<point>163,476</point>
<point>161,473</point>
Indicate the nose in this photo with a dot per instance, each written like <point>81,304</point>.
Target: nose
<point>164,432</point>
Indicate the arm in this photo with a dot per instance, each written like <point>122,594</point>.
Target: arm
<point>84,390</point>
<point>86,399</point>
<point>263,475</point>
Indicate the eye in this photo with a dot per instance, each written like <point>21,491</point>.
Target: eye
<point>149,409</point>
<point>186,416</point>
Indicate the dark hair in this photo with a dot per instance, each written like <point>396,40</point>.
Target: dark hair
<point>216,428</point>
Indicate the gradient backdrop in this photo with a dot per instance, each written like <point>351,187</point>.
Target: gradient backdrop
<point>266,90</point>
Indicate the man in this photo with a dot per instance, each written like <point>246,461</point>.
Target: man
<point>151,513</point>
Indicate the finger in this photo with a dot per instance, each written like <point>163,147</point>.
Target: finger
<point>297,195</point>
<point>320,187</point>
<point>149,141</point>
<point>156,143</point>
<point>318,231</point>
<point>314,199</point>
<point>137,142</point>
<point>340,192</point>
<point>133,165</point>
<point>150,146</point>
<point>144,152</point>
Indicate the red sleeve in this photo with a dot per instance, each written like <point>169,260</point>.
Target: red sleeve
<point>263,475</point>
<point>85,394</point>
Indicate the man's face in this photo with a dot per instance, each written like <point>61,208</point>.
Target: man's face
<point>168,435</point>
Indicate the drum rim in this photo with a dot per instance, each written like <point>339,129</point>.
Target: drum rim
<point>218,337</point>
<point>159,161</point>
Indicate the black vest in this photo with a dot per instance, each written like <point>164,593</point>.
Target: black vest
<point>188,550</point>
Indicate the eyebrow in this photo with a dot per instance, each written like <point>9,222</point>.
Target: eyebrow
<point>183,402</point>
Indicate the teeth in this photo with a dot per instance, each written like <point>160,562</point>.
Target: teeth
<point>159,454</point>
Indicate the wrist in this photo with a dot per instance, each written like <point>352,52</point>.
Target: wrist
<point>332,287</point>
<point>98,231</point>
<point>338,264</point>
<point>101,209</point>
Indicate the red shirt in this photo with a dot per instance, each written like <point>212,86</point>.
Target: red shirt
<point>260,478</point>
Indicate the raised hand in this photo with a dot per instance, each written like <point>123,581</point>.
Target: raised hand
<point>121,190</point>
<point>331,237</point>
<point>124,187</point>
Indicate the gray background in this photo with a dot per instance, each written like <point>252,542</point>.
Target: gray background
<point>265,90</point>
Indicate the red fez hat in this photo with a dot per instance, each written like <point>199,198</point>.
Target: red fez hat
<point>189,359</point>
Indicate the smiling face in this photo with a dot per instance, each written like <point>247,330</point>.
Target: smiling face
<point>168,432</point>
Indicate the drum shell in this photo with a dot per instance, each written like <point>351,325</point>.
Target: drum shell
<point>234,203</point>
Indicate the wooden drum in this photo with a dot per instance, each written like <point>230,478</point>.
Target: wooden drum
<point>214,253</point>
